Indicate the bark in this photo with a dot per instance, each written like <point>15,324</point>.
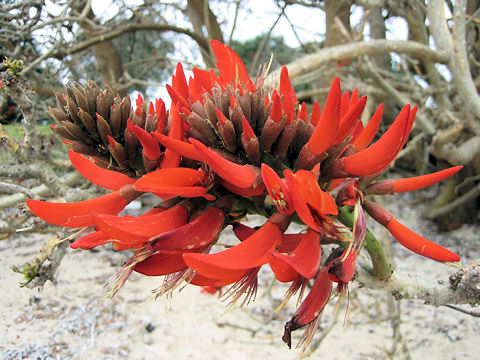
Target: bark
<point>109,63</point>
<point>201,16</point>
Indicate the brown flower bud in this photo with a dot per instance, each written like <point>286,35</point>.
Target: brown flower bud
<point>58,114</point>
<point>199,109</point>
<point>203,126</point>
<point>115,118</point>
<point>102,107</point>
<point>88,122</point>
<point>103,129</point>
<point>81,100</point>
<point>76,131</point>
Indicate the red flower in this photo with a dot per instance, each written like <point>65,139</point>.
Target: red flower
<point>219,154</point>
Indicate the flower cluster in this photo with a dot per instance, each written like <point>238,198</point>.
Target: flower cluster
<point>225,149</point>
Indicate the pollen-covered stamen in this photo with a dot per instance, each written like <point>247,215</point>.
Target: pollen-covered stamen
<point>278,198</point>
<point>246,286</point>
<point>123,274</point>
<point>277,189</point>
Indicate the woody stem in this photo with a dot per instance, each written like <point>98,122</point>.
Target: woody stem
<point>382,269</point>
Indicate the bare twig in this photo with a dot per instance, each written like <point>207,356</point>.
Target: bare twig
<point>264,41</point>
<point>468,312</point>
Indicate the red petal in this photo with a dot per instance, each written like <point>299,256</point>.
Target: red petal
<point>77,214</point>
<point>316,113</point>
<point>367,135</point>
<point>199,232</point>
<point>182,148</point>
<point>277,189</point>
<point>304,260</point>
<point>107,179</point>
<point>176,97</point>
<point>150,146</point>
<point>299,202</point>
<point>420,182</point>
<point>90,241</point>
<point>349,120</point>
<point>162,263</point>
<point>380,154</point>
<point>139,229</point>
<point>241,175</point>
<point>251,191</point>
<point>307,184</point>
<point>312,306</point>
<point>286,88</point>
<point>180,83</point>
<point>327,126</point>
<point>163,179</point>
<point>230,278</point>
<point>206,79</point>
<point>170,158</point>
<point>248,254</point>
<point>288,244</point>
<point>276,113</point>
<point>230,66</point>
<point>418,244</point>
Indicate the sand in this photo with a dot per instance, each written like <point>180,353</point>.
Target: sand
<point>71,319</point>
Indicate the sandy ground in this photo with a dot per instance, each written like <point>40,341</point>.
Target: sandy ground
<point>71,320</point>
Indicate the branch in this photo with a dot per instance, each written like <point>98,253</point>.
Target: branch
<point>469,196</point>
<point>399,99</point>
<point>42,190</point>
<point>463,287</point>
<point>356,49</point>
<point>458,64</point>
<point>128,29</point>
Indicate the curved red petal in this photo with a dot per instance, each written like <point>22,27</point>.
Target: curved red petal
<point>159,180</point>
<point>304,260</point>
<point>230,66</point>
<point>285,86</point>
<point>418,244</point>
<point>299,202</point>
<point>182,148</point>
<point>250,253</point>
<point>380,154</point>
<point>229,277</point>
<point>161,263</point>
<point>107,179</point>
<point>140,229</point>
<point>251,191</point>
<point>241,175</point>
<point>199,232</point>
<point>150,146</point>
<point>77,214</point>
<point>420,182</point>
<point>327,125</point>
<point>367,135</point>
<point>91,240</point>
<point>348,121</point>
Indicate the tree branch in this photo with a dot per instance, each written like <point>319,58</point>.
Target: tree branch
<point>458,64</point>
<point>356,49</point>
<point>128,29</point>
<point>463,287</point>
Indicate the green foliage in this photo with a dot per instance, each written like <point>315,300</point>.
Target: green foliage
<point>16,130</point>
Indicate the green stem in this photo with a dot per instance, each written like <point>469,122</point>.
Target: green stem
<point>382,270</point>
